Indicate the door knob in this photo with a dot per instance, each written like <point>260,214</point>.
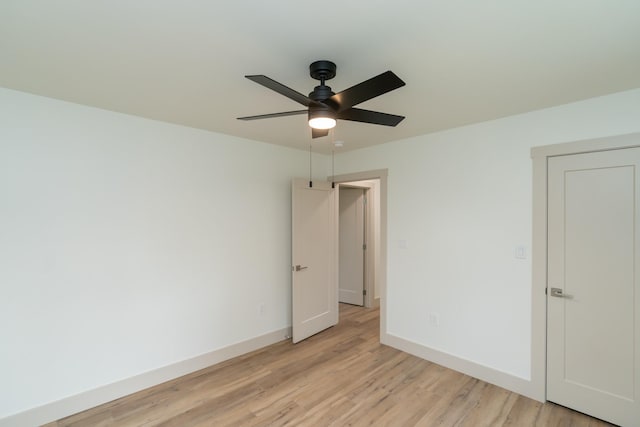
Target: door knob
<point>300,267</point>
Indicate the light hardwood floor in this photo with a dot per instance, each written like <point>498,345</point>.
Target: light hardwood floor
<point>340,377</point>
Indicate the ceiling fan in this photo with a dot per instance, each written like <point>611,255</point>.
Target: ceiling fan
<point>324,106</point>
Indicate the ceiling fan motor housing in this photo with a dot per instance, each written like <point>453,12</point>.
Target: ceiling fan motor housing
<point>320,93</point>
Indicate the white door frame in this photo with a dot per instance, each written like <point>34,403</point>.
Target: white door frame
<point>381,175</point>
<point>369,233</point>
<point>540,156</point>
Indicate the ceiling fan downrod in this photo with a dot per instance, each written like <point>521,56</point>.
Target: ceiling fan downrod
<point>323,71</point>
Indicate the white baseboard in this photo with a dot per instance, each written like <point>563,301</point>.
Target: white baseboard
<point>83,401</point>
<point>501,379</point>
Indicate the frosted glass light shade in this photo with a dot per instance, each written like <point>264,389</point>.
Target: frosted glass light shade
<point>322,123</point>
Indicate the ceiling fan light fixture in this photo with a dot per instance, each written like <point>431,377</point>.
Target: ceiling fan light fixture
<point>321,119</point>
<point>322,123</point>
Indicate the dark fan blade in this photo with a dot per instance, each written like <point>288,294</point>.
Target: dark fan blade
<point>268,116</point>
<point>318,133</point>
<point>282,89</point>
<point>364,91</point>
<point>366,116</point>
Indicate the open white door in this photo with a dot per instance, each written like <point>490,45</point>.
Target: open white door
<point>314,258</point>
<point>593,323</point>
<point>351,246</point>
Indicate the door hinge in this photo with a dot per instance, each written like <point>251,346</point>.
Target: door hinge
<point>364,292</point>
<point>364,247</point>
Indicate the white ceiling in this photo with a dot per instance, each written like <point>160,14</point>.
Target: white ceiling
<point>183,61</point>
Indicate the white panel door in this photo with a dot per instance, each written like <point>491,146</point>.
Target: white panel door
<point>593,294</point>
<point>351,246</point>
<point>314,258</point>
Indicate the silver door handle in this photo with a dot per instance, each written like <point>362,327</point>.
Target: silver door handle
<point>300,267</point>
<point>559,293</point>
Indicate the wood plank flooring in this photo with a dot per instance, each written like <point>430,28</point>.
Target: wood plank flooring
<point>340,377</point>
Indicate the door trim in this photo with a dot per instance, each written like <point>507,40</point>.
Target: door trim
<point>539,157</point>
<point>381,175</point>
<point>367,286</point>
<point>369,238</point>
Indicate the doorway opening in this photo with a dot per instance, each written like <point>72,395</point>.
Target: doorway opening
<point>315,254</point>
<point>359,235</point>
<point>373,185</point>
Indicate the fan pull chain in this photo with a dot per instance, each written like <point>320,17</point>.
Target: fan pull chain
<point>333,162</point>
<point>310,166</point>
<point>333,172</point>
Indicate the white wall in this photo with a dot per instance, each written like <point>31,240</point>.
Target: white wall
<point>127,245</point>
<point>459,202</point>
